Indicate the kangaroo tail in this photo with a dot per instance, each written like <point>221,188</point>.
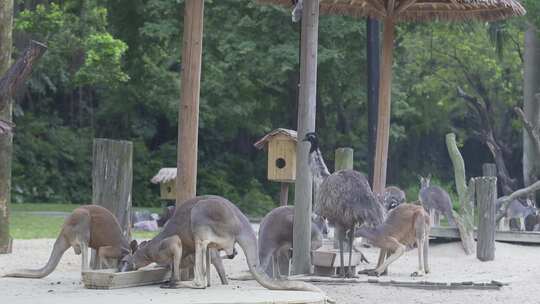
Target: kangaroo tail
<point>60,246</point>
<point>249,246</point>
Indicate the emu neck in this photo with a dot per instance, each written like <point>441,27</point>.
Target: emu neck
<point>317,166</point>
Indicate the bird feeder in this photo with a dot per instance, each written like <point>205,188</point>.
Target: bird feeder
<point>166,178</point>
<point>281,165</point>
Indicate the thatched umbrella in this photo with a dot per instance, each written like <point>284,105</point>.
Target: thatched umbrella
<point>392,11</point>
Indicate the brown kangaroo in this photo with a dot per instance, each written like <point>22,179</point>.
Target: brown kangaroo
<point>87,226</point>
<point>405,226</point>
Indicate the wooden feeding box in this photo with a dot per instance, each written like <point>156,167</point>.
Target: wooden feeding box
<point>327,261</point>
<point>110,279</point>
<point>166,178</point>
<point>281,144</point>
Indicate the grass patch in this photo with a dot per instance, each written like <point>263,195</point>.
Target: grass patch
<point>25,225</point>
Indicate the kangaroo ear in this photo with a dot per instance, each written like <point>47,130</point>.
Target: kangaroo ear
<point>134,246</point>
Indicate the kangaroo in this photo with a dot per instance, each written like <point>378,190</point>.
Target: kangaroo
<point>88,226</point>
<point>218,223</point>
<point>517,211</point>
<point>276,237</point>
<point>435,198</point>
<point>173,247</point>
<point>405,226</point>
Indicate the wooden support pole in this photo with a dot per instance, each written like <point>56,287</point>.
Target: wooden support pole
<point>112,179</point>
<point>486,194</point>
<point>284,194</point>
<point>373,58</point>
<point>301,261</point>
<point>6,139</point>
<point>383,121</point>
<point>188,116</point>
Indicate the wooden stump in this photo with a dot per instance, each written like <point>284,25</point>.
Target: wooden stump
<point>486,194</point>
<point>344,160</point>
<point>112,177</point>
<point>489,169</point>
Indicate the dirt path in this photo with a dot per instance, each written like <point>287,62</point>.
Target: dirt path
<point>517,265</point>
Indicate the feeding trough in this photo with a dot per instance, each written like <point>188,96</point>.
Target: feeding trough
<point>111,279</point>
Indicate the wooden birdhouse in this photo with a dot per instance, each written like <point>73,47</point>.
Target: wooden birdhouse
<point>166,178</point>
<point>281,144</point>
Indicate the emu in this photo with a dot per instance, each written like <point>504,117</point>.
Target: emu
<point>393,196</point>
<point>344,198</point>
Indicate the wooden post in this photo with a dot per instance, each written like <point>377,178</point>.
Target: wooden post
<point>486,194</point>
<point>373,58</point>
<point>301,260</point>
<point>112,177</point>
<point>383,121</point>
<point>188,116</point>
<point>6,139</point>
<point>489,169</point>
<point>284,194</point>
<point>344,159</point>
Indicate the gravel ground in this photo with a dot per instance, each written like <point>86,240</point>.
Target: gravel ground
<point>514,264</point>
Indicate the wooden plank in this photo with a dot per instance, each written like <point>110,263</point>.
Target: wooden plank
<point>112,180</point>
<point>486,194</point>
<point>301,261</point>
<point>188,114</point>
<point>109,279</point>
<point>383,121</point>
<point>502,236</point>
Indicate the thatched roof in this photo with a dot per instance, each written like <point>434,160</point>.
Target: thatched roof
<point>164,175</point>
<point>261,143</point>
<point>419,10</point>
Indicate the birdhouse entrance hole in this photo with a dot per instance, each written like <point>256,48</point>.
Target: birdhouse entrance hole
<point>281,163</point>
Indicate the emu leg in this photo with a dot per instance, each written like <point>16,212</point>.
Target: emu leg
<point>341,236</point>
<point>350,273</point>
<point>207,270</point>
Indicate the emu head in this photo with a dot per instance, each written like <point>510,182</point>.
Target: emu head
<point>313,140</point>
<point>424,181</point>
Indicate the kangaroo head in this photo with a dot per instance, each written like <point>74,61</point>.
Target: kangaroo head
<point>136,259</point>
<point>425,181</point>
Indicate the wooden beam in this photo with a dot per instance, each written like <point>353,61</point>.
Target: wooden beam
<point>301,260</point>
<point>383,121</point>
<point>500,235</point>
<point>373,58</point>
<point>188,124</point>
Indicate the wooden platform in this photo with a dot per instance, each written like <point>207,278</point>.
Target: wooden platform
<point>503,236</point>
<point>110,279</point>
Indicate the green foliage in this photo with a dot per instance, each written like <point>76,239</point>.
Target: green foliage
<point>113,70</point>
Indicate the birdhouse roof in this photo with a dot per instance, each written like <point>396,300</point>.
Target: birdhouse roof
<point>261,143</point>
<point>164,175</point>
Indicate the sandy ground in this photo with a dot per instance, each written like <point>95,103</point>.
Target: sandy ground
<point>515,264</point>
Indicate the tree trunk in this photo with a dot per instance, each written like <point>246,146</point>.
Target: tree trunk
<point>465,218</point>
<point>531,106</point>
<point>6,42</point>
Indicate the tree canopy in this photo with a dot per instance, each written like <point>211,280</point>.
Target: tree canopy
<point>113,70</point>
